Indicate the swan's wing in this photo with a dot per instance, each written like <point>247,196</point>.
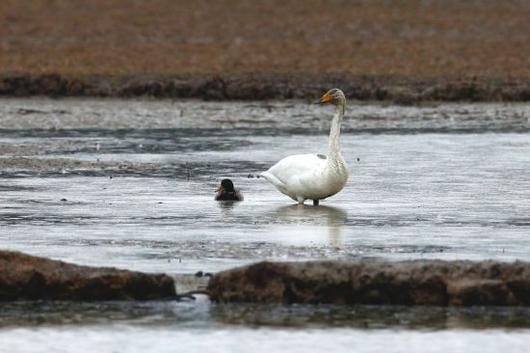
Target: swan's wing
<point>293,172</point>
<point>297,165</point>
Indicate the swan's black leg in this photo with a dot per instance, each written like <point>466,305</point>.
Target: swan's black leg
<point>315,202</point>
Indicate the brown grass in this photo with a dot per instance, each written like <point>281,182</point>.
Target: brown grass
<point>408,38</point>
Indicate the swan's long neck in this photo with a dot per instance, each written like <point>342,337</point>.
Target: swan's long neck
<point>334,134</point>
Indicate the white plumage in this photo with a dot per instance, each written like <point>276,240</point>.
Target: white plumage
<point>314,176</point>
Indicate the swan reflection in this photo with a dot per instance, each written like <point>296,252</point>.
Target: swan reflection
<point>333,218</point>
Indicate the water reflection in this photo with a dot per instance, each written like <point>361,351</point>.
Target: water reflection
<point>227,206</point>
<point>332,218</point>
<point>370,317</point>
<point>201,313</point>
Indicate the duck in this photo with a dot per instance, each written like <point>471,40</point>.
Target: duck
<point>227,192</point>
<point>314,176</point>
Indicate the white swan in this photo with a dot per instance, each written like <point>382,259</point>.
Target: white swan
<point>314,176</point>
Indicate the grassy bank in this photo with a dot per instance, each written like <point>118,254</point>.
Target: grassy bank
<point>408,50</point>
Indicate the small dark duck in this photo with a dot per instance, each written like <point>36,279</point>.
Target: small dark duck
<point>226,192</point>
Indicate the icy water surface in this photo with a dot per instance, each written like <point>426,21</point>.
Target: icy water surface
<point>130,184</point>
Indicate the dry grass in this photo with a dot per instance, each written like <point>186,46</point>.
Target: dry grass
<point>408,38</point>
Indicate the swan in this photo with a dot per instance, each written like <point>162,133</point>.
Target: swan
<point>314,176</point>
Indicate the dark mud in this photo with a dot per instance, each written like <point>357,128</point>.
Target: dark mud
<point>266,86</point>
<point>25,277</point>
<point>458,283</point>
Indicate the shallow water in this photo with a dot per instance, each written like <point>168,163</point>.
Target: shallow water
<point>448,182</point>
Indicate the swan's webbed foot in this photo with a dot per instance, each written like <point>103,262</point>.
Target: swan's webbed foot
<point>315,202</point>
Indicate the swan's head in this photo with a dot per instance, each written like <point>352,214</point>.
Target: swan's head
<point>334,96</point>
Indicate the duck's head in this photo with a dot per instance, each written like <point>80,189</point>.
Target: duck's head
<point>334,96</point>
<point>226,186</point>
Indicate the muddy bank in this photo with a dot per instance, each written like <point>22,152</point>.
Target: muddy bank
<point>441,283</point>
<point>25,277</point>
<point>265,86</point>
<point>68,166</point>
<point>58,165</point>
<point>460,283</point>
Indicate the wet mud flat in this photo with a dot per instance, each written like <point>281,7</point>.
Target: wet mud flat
<point>130,184</point>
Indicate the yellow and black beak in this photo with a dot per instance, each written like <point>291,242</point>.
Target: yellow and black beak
<point>220,189</point>
<point>326,98</point>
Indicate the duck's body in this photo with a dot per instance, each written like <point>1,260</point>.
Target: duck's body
<point>229,196</point>
<point>227,192</point>
<point>314,176</point>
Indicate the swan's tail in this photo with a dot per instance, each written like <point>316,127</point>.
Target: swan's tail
<point>271,178</point>
<point>278,184</point>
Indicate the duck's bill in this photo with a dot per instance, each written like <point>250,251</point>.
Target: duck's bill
<point>219,189</point>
